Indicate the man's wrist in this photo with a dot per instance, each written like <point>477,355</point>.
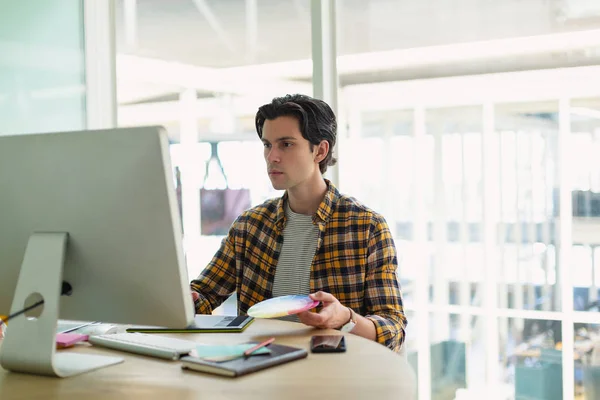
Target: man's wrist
<point>351,323</point>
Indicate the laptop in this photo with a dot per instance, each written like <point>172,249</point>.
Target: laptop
<point>203,324</point>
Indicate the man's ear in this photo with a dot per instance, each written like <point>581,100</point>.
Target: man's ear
<point>321,151</point>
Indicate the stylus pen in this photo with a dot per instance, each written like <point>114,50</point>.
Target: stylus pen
<point>258,346</point>
<point>78,326</point>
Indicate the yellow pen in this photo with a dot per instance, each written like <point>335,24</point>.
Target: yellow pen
<point>2,326</point>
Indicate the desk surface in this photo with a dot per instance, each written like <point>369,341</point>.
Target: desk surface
<point>366,370</point>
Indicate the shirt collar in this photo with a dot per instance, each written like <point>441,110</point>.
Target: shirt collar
<point>323,213</point>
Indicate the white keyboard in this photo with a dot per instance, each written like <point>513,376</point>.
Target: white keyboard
<point>146,344</point>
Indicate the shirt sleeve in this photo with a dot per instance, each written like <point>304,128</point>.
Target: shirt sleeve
<point>383,298</point>
<point>217,281</point>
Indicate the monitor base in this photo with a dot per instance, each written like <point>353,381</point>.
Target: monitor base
<point>30,342</point>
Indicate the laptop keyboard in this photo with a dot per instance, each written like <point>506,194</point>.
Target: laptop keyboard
<point>231,321</point>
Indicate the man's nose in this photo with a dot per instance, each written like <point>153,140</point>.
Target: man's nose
<point>273,156</point>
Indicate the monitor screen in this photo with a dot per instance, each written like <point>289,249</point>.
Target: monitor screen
<point>112,192</point>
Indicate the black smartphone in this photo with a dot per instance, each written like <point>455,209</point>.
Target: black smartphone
<point>328,344</point>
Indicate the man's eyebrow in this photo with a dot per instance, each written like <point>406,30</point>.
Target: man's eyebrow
<point>281,139</point>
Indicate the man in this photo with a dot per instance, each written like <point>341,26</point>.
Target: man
<point>313,240</point>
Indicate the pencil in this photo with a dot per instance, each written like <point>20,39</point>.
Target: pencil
<point>258,346</point>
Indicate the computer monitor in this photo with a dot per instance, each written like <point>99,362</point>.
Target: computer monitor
<point>98,210</point>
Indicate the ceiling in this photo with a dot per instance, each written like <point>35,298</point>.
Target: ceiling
<point>232,48</point>
<point>226,33</point>
<point>245,39</point>
<point>233,34</point>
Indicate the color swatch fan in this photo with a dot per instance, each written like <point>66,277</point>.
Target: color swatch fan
<point>282,306</point>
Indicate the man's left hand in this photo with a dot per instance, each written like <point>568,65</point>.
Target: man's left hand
<point>332,315</point>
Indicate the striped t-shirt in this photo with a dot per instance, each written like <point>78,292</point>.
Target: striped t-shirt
<point>300,237</point>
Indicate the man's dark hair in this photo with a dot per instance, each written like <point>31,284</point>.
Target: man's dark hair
<point>316,120</point>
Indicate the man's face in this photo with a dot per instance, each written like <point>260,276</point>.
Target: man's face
<point>289,158</point>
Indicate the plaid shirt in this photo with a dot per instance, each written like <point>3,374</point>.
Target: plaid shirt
<point>355,260</point>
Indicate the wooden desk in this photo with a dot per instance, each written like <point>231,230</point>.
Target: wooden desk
<point>366,371</point>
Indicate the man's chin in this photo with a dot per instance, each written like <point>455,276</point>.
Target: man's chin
<point>278,185</point>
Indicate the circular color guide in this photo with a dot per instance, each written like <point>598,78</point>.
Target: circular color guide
<point>282,306</point>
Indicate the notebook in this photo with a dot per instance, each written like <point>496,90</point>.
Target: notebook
<point>279,354</point>
<point>203,323</point>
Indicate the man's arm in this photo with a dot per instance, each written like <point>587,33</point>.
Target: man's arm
<point>385,321</point>
<point>217,281</point>
<point>383,298</point>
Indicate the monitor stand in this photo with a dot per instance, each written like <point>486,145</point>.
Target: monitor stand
<point>30,343</point>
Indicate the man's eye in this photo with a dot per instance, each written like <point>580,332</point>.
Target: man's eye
<point>266,145</point>
<point>287,144</point>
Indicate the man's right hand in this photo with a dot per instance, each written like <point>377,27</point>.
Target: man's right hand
<point>195,297</point>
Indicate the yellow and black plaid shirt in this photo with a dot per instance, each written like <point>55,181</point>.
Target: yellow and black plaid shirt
<point>355,260</point>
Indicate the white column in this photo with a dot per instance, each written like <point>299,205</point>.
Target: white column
<point>251,30</point>
<point>490,259</point>
<point>349,129</point>
<point>440,229</point>
<point>565,243</point>
<point>420,242</point>
<point>531,231</point>
<point>596,266</point>
<point>190,185</point>
<point>465,281</point>
<point>390,203</point>
<point>130,22</point>
<point>593,293</point>
<point>100,64</point>
<point>502,284</point>
<point>518,301</point>
<point>351,115</point>
<point>324,57</point>
<point>548,216</point>
<point>593,290</point>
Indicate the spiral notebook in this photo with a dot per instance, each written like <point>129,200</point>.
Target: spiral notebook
<point>278,355</point>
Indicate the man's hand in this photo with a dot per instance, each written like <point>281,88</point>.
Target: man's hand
<point>195,296</point>
<point>333,315</point>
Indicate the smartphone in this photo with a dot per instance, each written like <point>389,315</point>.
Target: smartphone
<point>328,344</point>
